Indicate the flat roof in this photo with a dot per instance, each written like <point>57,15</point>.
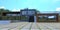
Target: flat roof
<point>12,12</point>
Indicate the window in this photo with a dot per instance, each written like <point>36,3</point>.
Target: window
<point>31,12</point>
<point>51,17</point>
<point>9,15</point>
<point>24,12</point>
<point>41,18</point>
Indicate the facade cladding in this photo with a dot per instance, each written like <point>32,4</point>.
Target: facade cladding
<point>33,16</point>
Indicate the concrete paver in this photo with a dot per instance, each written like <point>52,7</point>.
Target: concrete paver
<point>30,26</point>
<point>4,28</point>
<point>27,26</point>
<point>34,29</point>
<point>49,26</point>
<point>24,29</point>
<point>19,26</point>
<point>34,26</point>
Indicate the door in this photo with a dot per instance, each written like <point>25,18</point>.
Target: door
<point>31,18</point>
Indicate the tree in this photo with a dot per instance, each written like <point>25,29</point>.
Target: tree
<point>38,12</point>
<point>3,10</point>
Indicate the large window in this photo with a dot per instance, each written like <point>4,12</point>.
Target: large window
<point>47,18</point>
<point>24,12</point>
<point>42,18</point>
<point>29,12</point>
<point>51,17</point>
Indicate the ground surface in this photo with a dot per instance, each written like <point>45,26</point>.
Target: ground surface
<point>30,26</point>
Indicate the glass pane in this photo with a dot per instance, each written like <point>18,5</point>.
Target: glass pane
<point>51,17</point>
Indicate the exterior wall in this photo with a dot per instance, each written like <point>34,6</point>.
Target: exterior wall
<point>28,12</point>
<point>35,19</point>
<point>59,18</point>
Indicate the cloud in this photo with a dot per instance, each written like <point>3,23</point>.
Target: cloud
<point>57,9</point>
<point>15,10</point>
<point>2,7</point>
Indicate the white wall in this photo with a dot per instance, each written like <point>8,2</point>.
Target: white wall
<point>35,19</point>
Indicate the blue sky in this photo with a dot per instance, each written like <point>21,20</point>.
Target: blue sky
<point>41,5</point>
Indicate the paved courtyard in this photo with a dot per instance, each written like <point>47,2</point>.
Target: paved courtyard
<point>30,26</point>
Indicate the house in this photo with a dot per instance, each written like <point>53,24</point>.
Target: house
<point>33,16</point>
<point>30,13</point>
<point>39,17</point>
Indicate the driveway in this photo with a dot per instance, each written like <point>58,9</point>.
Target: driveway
<point>30,26</point>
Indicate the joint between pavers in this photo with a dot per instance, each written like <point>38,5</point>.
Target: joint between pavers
<point>23,26</point>
<point>31,26</point>
<point>14,27</point>
<point>38,27</point>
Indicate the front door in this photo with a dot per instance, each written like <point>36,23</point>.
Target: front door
<point>31,18</point>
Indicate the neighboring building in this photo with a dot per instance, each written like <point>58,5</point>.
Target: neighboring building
<point>33,16</point>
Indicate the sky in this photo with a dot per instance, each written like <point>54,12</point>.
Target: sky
<point>41,5</point>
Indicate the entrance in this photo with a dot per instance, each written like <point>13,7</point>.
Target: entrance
<point>31,18</point>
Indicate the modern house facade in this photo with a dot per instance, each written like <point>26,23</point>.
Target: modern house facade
<point>30,13</point>
<point>33,16</point>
